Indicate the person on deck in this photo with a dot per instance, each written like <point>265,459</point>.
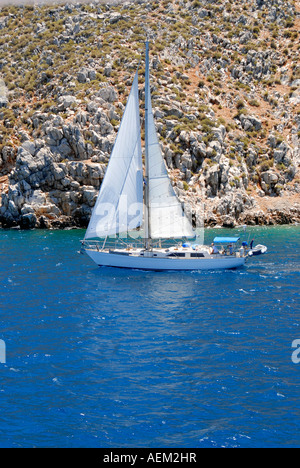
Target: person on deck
<point>214,249</point>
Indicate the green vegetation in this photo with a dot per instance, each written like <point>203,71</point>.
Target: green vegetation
<point>216,66</point>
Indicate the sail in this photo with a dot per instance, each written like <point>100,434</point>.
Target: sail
<point>166,218</point>
<point>119,207</point>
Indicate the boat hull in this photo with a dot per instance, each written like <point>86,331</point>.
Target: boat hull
<point>164,264</point>
<point>258,250</point>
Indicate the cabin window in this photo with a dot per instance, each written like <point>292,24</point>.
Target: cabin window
<point>179,254</point>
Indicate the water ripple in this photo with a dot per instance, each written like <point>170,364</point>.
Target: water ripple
<point>107,358</point>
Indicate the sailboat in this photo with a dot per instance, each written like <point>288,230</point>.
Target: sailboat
<point>138,222</point>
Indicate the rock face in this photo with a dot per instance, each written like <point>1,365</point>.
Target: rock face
<point>54,181</point>
<point>224,98</point>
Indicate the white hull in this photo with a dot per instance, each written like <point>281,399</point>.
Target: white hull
<point>108,259</point>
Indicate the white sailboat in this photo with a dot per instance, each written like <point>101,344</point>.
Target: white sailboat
<point>135,213</point>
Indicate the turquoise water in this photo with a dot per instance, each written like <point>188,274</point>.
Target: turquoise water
<point>100,357</point>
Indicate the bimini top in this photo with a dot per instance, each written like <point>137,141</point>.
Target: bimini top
<point>226,240</point>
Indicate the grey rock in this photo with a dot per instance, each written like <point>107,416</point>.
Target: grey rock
<point>28,221</point>
<point>66,102</point>
<point>115,17</point>
<point>108,69</point>
<point>82,76</point>
<point>269,177</point>
<point>108,94</point>
<point>212,180</point>
<point>54,133</point>
<point>58,172</point>
<point>13,210</point>
<point>248,122</point>
<point>89,195</point>
<point>203,13</point>
<point>174,111</point>
<point>27,209</point>
<point>3,101</point>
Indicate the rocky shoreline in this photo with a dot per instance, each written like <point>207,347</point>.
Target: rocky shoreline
<point>53,185</point>
<point>226,105</point>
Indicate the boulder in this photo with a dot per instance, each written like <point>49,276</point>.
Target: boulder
<point>67,102</point>
<point>28,221</point>
<point>108,94</point>
<point>250,122</point>
<point>269,177</point>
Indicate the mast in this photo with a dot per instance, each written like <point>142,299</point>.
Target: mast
<point>147,198</point>
<point>164,217</point>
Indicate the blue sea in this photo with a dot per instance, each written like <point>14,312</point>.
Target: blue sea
<point>99,357</point>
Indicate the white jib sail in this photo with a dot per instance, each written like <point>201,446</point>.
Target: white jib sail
<point>166,215</point>
<point>119,207</point>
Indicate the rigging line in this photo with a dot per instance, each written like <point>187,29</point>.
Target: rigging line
<point>164,176</point>
<point>164,196</point>
<point>161,160</point>
<point>180,229</point>
<point>161,184</point>
<point>165,193</point>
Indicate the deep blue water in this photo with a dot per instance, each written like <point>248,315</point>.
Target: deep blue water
<point>102,357</point>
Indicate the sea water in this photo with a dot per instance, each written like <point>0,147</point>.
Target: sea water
<point>100,357</point>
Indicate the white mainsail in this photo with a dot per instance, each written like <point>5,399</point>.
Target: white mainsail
<point>166,218</point>
<point>119,207</point>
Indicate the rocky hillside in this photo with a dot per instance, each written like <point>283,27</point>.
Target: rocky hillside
<point>225,86</point>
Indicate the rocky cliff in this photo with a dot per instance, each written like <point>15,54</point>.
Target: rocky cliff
<point>225,87</point>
